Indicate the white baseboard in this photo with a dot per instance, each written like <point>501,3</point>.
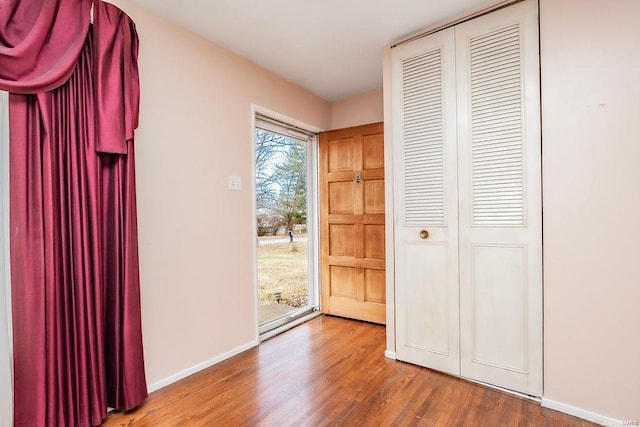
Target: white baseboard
<point>390,354</point>
<point>200,366</point>
<point>582,413</point>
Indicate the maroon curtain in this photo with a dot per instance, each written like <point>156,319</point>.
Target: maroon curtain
<point>74,249</point>
<point>40,41</point>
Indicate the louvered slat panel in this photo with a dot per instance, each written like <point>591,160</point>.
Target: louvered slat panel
<point>424,189</point>
<point>496,128</point>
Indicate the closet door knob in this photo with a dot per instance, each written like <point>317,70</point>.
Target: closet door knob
<point>424,234</point>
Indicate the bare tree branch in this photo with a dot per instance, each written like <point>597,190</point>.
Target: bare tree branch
<point>281,176</point>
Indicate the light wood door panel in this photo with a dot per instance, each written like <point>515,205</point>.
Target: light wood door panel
<point>352,223</point>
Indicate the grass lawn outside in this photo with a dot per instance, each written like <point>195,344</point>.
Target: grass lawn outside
<point>283,267</point>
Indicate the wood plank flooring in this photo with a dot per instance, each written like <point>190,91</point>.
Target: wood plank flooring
<point>331,372</point>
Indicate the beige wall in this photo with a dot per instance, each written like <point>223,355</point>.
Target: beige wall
<point>590,61</point>
<point>357,110</point>
<point>196,237</point>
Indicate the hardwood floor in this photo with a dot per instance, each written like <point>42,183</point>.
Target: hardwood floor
<point>331,372</point>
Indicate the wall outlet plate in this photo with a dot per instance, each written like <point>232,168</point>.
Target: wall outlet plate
<point>235,183</point>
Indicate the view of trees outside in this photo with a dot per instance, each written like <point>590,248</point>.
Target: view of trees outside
<point>281,196</point>
<point>281,182</point>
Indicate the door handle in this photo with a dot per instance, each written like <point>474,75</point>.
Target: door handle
<point>424,234</point>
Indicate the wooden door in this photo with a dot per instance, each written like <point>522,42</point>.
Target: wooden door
<point>352,245</point>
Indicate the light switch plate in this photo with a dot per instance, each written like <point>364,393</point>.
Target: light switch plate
<point>235,183</point>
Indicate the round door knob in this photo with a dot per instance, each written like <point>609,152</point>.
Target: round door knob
<point>424,234</point>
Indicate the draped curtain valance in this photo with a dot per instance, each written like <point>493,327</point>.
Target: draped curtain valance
<point>40,43</point>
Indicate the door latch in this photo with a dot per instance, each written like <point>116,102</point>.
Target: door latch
<point>358,177</point>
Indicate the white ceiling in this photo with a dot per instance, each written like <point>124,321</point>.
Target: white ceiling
<point>331,47</point>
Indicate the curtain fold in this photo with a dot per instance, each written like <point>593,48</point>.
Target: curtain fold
<point>40,41</point>
<point>74,248</point>
<point>126,384</point>
<point>117,69</point>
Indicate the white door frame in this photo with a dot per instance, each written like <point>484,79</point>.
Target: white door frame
<point>6,351</point>
<point>313,225</point>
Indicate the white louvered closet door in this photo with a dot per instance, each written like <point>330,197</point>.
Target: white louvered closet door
<point>466,141</point>
<point>499,170</point>
<point>425,192</point>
